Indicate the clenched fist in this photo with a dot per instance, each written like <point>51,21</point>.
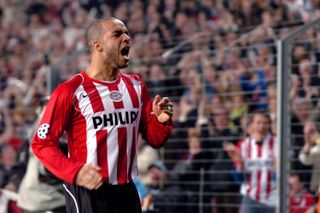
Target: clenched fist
<point>89,176</point>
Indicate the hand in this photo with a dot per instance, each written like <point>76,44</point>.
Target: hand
<point>11,187</point>
<point>162,108</point>
<point>202,109</point>
<point>234,154</point>
<point>311,209</point>
<point>310,132</point>
<point>89,176</point>
<point>232,151</point>
<point>147,202</point>
<point>185,107</point>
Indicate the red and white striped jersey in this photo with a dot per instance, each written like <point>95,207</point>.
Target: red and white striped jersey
<point>259,169</point>
<point>102,121</point>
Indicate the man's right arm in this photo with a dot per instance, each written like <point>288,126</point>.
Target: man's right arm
<point>234,152</point>
<point>45,144</point>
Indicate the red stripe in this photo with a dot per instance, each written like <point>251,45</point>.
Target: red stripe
<point>102,153</point>
<point>118,104</point>
<point>271,144</point>
<point>259,151</point>
<point>249,175</point>
<point>259,147</point>
<point>132,92</point>
<point>132,152</point>
<point>269,183</point>
<point>122,156</point>
<point>94,96</point>
<point>259,186</point>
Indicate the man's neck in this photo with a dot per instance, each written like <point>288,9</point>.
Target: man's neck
<point>102,73</point>
<point>221,128</point>
<point>300,192</point>
<point>258,137</point>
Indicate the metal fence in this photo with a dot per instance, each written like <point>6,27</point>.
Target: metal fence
<point>211,84</point>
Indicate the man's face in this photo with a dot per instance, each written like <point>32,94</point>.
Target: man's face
<point>156,175</point>
<point>116,44</point>
<point>221,118</point>
<point>303,110</point>
<point>295,184</point>
<point>8,155</point>
<point>305,68</point>
<point>260,124</point>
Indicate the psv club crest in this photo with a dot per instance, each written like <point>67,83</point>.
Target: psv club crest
<point>116,96</point>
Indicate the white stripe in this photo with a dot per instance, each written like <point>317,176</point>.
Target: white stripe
<point>74,199</point>
<point>244,154</point>
<point>113,152</point>
<point>254,172</point>
<point>254,149</point>
<point>129,147</point>
<point>134,172</point>
<point>127,104</point>
<point>244,148</point>
<point>104,94</point>
<point>87,111</point>
<point>264,175</point>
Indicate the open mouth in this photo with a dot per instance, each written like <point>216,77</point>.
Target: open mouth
<point>125,52</point>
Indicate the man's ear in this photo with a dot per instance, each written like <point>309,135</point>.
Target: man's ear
<point>97,46</point>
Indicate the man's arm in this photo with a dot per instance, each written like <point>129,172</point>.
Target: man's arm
<point>45,144</point>
<point>234,154</point>
<point>156,123</point>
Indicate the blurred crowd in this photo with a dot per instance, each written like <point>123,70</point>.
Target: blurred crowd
<point>215,58</point>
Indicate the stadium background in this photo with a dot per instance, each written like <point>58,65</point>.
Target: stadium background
<point>217,59</point>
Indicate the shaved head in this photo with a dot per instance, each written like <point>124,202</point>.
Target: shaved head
<point>96,29</point>
<point>109,43</point>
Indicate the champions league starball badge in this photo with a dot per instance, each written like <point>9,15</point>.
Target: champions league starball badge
<point>43,130</point>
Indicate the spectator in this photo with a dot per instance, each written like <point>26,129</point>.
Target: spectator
<point>145,157</point>
<point>40,191</point>
<point>215,134</point>
<point>187,170</point>
<point>310,153</point>
<point>300,199</point>
<point>299,53</point>
<point>255,160</point>
<point>239,109</point>
<point>254,84</point>
<point>165,198</point>
<point>8,172</point>
<point>157,81</point>
<point>302,110</point>
<point>308,81</point>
